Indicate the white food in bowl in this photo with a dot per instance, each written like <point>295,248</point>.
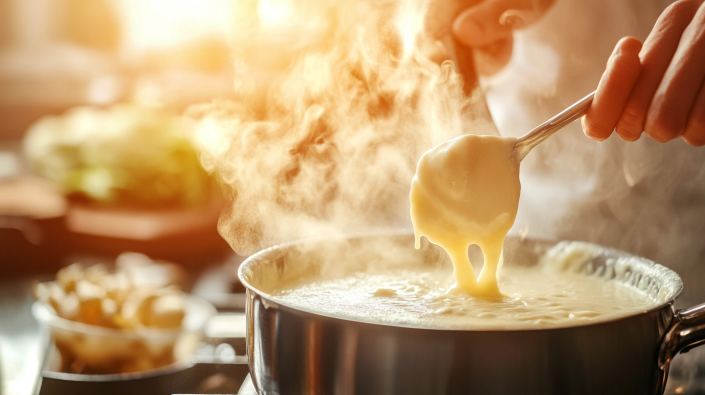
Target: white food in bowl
<point>95,349</point>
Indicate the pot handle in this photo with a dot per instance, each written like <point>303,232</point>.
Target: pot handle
<point>687,331</point>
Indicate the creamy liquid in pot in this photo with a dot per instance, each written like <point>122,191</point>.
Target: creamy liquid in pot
<point>466,191</point>
<point>533,298</point>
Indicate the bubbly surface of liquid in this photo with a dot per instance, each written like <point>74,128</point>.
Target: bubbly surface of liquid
<point>533,298</point>
<point>466,191</point>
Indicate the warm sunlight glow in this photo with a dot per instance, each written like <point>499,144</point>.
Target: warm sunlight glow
<point>209,136</point>
<point>274,12</point>
<point>410,24</point>
<point>150,24</point>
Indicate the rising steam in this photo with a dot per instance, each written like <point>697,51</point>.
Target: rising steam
<point>343,130</point>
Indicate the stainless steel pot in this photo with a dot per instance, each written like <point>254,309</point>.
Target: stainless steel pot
<point>298,351</point>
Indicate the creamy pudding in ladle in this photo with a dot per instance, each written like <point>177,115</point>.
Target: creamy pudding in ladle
<point>466,191</point>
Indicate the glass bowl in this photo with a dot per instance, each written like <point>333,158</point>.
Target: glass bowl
<point>92,349</point>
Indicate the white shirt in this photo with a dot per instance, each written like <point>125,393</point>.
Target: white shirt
<point>645,197</point>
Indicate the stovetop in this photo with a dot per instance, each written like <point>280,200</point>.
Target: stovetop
<point>198,378</point>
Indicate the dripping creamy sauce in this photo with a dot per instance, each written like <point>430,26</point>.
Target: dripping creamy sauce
<point>466,191</point>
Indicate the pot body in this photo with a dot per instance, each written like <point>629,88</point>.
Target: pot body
<point>294,351</point>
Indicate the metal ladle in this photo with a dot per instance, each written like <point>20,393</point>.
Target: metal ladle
<point>540,133</point>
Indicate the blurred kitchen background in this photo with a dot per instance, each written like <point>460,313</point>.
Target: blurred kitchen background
<point>59,54</point>
<point>144,60</point>
<point>94,64</point>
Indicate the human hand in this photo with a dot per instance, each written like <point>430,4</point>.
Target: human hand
<point>486,27</point>
<point>657,87</point>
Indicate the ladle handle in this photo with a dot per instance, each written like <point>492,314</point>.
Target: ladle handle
<point>687,331</point>
<point>546,129</point>
<point>465,64</point>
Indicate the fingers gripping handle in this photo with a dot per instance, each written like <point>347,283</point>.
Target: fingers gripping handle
<point>687,331</point>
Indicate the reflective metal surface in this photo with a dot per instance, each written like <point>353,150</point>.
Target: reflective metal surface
<point>294,351</point>
<point>540,133</point>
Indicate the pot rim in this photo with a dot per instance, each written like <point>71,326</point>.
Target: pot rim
<point>405,232</point>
